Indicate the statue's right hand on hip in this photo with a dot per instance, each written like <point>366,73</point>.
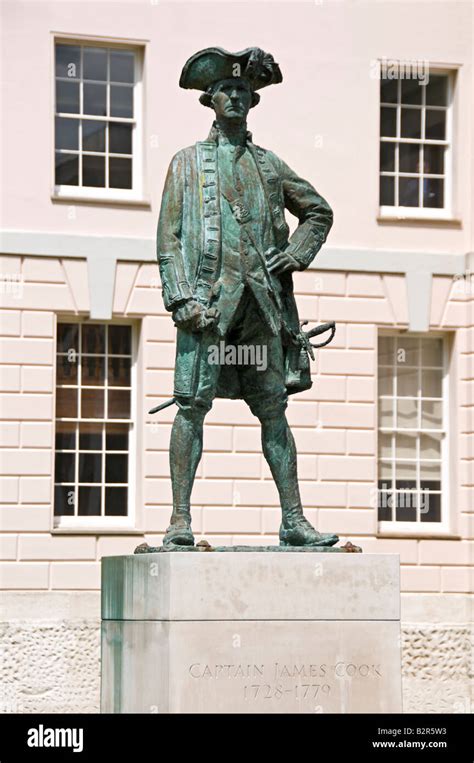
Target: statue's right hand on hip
<point>193,316</point>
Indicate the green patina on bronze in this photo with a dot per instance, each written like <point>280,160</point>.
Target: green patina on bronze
<point>226,262</point>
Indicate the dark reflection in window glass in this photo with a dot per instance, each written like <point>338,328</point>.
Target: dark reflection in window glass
<point>408,192</point>
<point>387,192</point>
<point>90,437</point>
<point>89,501</point>
<point>95,63</point>
<point>406,504</point>
<point>388,90</point>
<point>66,403</point>
<point>385,505</point>
<point>93,370</point>
<point>92,404</point>
<point>64,467</point>
<point>95,99</point>
<point>122,64</point>
<point>120,138</point>
<point>430,506</point>
<point>388,122</point>
<point>93,338</point>
<point>121,101</point>
<point>411,91</point>
<point>434,160</point>
<point>67,133</point>
<point>119,372</point>
<point>433,192</point>
<point>93,171</point>
<point>67,337</point>
<point>66,369</point>
<point>387,157</point>
<point>67,97</point>
<point>65,436</point>
<point>437,91</point>
<point>409,157</point>
<point>90,467</point>
<point>120,340</point>
<point>64,496</point>
<point>116,468</point>
<point>116,437</point>
<point>116,501</point>
<point>67,169</point>
<point>435,125</point>
<point>120,173</point>
<point>68,61</point>
<point>119,404</point>
<point>93,135</point>
<point>411,123</point>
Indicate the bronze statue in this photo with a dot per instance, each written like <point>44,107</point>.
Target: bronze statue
<point>226,260</point>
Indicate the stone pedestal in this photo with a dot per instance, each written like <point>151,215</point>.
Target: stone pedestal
<point>251,632</point>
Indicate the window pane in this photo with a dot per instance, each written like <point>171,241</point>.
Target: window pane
<point>93,338</point>
<point>66,403</point>
<point>95,98</point>
<point>95,63</point>
<point>120,138</point>
<point>408,192</point>
<point>430,446</point>
<point>89,501</point>
<point>388,90</point>
<point>90,436</point>
<point>411,123</point>
<point>120,340</point>
<point>122,66</point>
<point>65,436</point>
<point>93,171</point>
<point>90,467</point>
<point>408,351</point>
<point>431,383</point>
<point>411,91</point>
<point>407,414</point>
<point>384,445</point>
<point>121,101</point>
<point>67,133</point>
<point>119,404</point>
<point>385,474</point>
<point>385,507</point>
<point>406,506</point>
<point>430,474</point>
<point>386,349</point>
<point>386,412</point>
<point>67,169</point>
<point>405,445</point>
<point>67,97</point>
<point>93,371</point>
<point>63,500</point>
<point>437,91</point>
<point>431,414</point>
<point>116,501</point>
<point>433,160</point>
<point>432,352</point>
<point>119,372</point>
<point>387,191</point>
<point>433,192</point>
<point>387,157</point>
<point>409,157</point>
<point>430,507</point>
<point>66,369</point>
<point>407,382</point>
<point>116,437</point>
<point>120,173</point>
<point>93,135</point>
<point>388,122</point>
<point>64,467</point>
<point>67,337</point>
<point>68,61</point>
<point>435,124</point>
<point>386,381</point>
<point>116,468</point>
<point>405,475</point>
<point>92,404</point>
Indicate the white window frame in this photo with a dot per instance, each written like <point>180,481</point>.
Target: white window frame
<point>419,528</point>
<point>104,523</point>
<point>426,213</point>
<point>136,194</point>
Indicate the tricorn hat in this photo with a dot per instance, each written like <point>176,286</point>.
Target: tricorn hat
<point>214,64</point>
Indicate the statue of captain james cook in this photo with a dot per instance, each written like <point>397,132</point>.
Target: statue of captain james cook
<point>225,263</point>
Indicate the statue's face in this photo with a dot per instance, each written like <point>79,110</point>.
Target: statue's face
<point>232,98</point>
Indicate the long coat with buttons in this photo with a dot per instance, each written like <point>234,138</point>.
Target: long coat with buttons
<point>189,248</point>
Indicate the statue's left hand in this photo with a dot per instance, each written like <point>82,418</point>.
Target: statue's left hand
<point>280,262</point>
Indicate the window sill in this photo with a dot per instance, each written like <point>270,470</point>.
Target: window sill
<point>96,531</point>
<point>122,202</point>
<point>448,222</point>
<point>417,535</point>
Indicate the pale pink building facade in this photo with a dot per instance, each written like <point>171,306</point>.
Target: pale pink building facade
<point>87,346</point>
